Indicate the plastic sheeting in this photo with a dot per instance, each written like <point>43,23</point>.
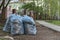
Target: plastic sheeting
<point>17,27</point>
<point>7,26</point>
<point>29,24</point>
<point>14,25</point>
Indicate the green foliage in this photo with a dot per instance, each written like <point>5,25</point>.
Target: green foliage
<point>51,7</point>
<point>32,6</point>
<point>29,6</point>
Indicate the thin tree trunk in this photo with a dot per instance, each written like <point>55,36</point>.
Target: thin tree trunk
<point>2,4</point>
<point>4,9</point>
<point>3,12</point>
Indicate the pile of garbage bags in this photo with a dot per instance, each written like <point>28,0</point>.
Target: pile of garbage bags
<point>20,25</point>
<point>29,25</point>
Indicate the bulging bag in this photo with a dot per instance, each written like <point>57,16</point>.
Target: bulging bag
<point>7,26</point>
<point>29,25</point>
<point>17,27</point>
<point>14,25</point>
<point>30,29</point>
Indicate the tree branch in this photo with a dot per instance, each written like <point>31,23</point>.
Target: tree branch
<point>7,3</point>
<point>2,3</point>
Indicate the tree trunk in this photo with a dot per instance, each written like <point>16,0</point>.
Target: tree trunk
<point>4,11</point>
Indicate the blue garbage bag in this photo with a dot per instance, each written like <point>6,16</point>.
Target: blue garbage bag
<point>16,25</point>
<point>7,26</point>
<point>29,25</point>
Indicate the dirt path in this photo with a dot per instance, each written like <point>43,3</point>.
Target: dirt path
<point>42,34</point>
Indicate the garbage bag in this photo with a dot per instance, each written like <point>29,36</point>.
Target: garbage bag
<point>17,27</point>
<point>28,19</point>
<point>30,29</point>
<point>29,25</point>
<point>14,25</point>
<point>7,26</point>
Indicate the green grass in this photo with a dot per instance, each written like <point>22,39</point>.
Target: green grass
<point>56,22</point>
